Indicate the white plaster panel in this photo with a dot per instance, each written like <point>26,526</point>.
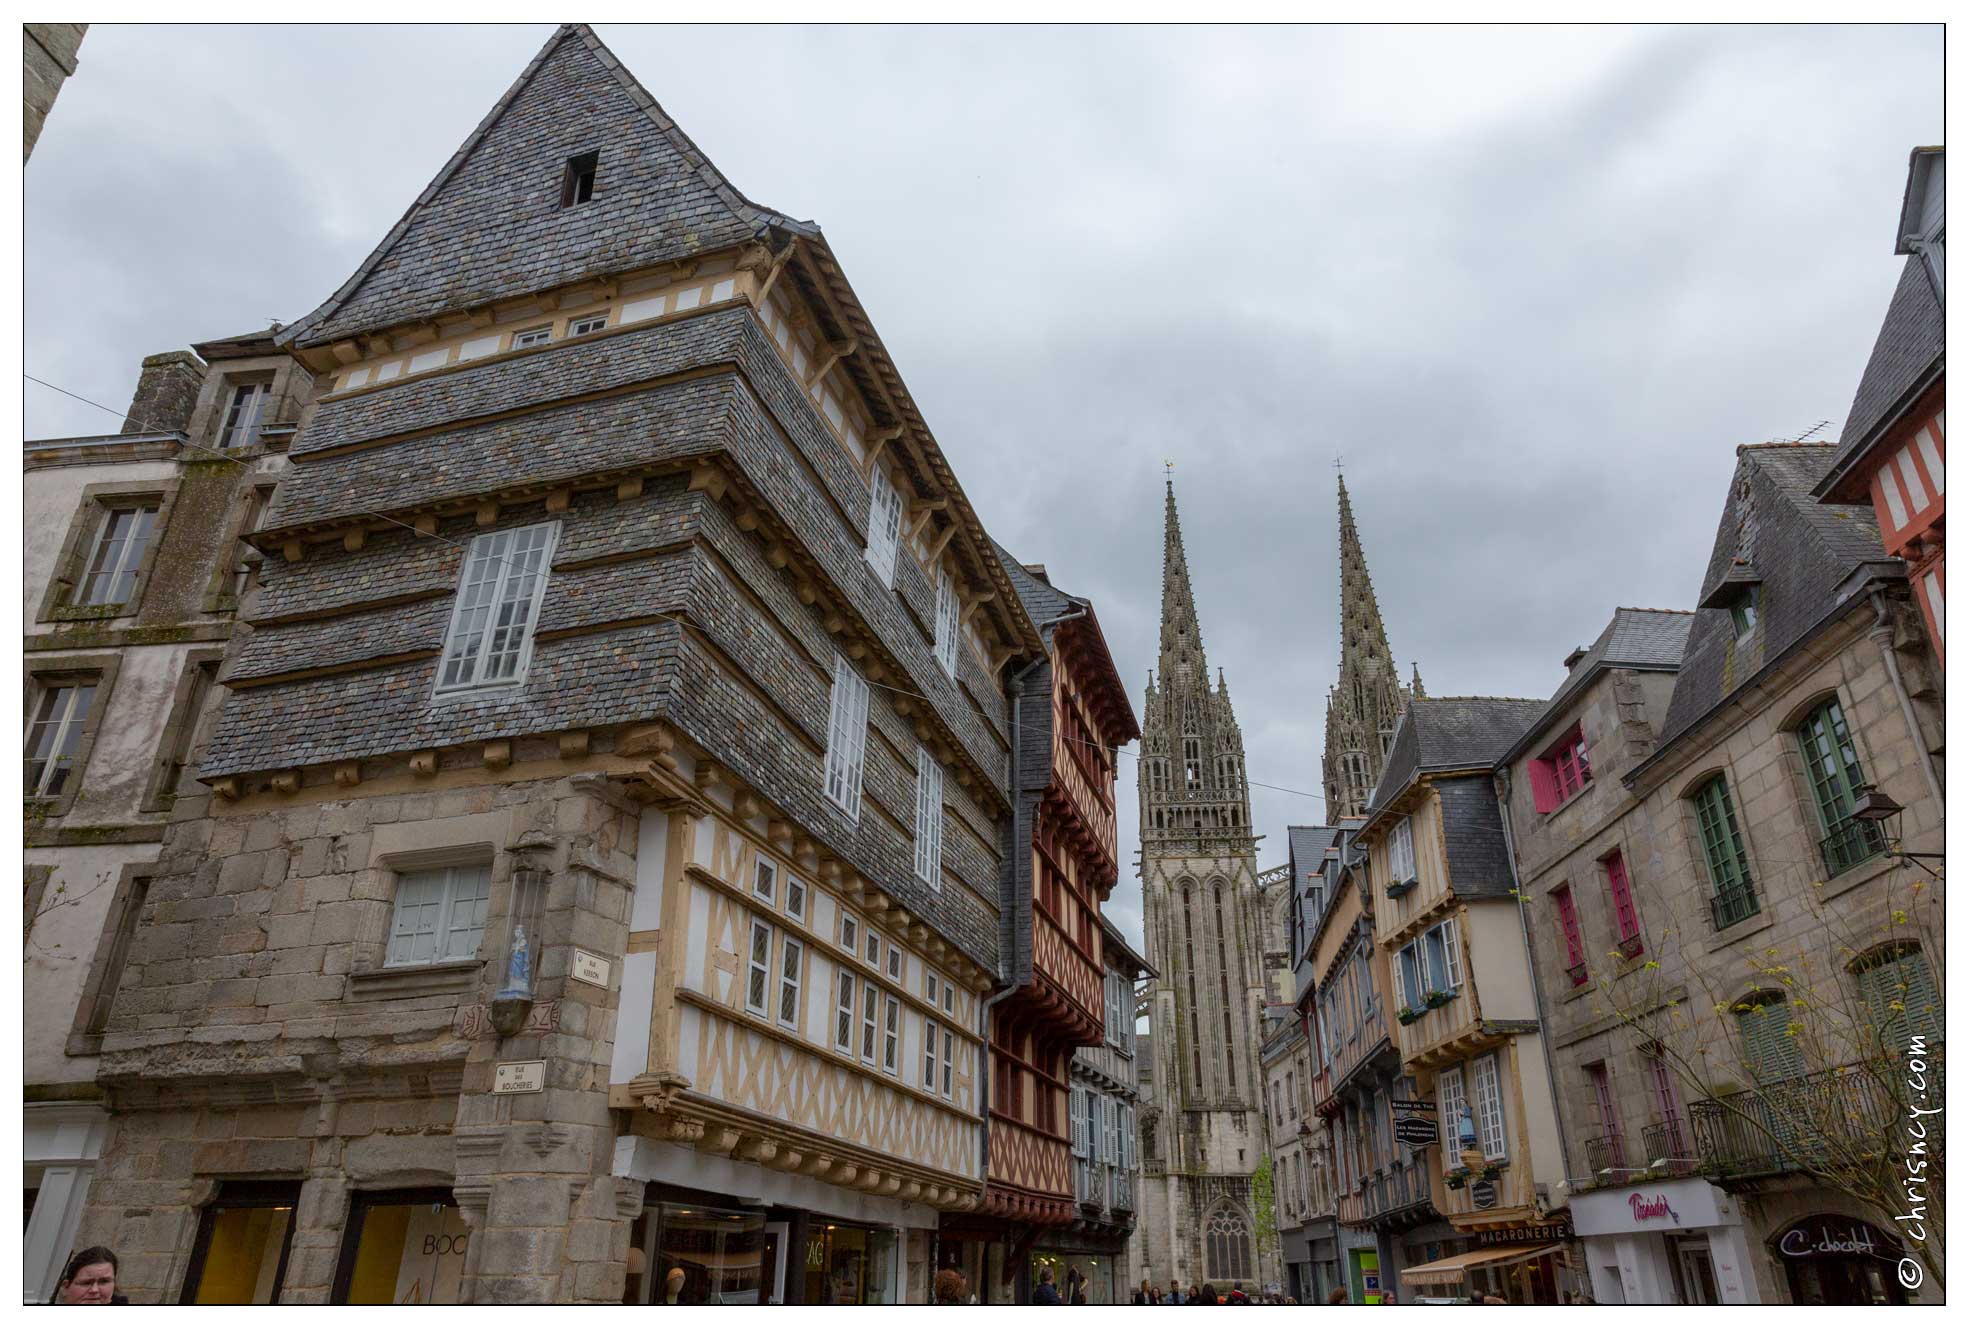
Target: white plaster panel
<point>723,290</point>
<point>652,852</point>
<point>638,310</point>
<point>632,1021</point>
<point>62,949</point>
<point>480,346</point>
<point>644,1159</point>
<point>429,359</point>
<point>356,378</point>
<point>389,371</point>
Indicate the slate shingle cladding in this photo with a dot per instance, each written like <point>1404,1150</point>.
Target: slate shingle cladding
<point>491,224</point>
<point>1907,354</point>
<point>1473,837</point>
<point>1804,551</point>
<point>1451,733</point>
<point>1645,639</point>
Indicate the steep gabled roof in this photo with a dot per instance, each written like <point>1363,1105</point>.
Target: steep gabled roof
<point>1907,358</point>
<point>1451,734</point>
<point>490,225</point>
<point>1807,552</point>
<point>1644,639</point>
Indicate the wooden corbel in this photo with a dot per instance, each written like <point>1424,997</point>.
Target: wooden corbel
<point>558,499</point>
<point>425,762</point>
<point>348,774</point>
<point>286,782</point>
<point>836,353</point>
<point>709,773</point>
<point>876,443</point>
<point>708,478</point>
<point>345,352</point>
<point>746,806</point>
<point>942,542</point>
<point>748,517</point>
<point>628,488</point>
<point>573,744</point>
<point>488,513</point>
<point>772,276</point>
<point>426,523</point>
<point>352,539</point>
<point>226,786</point>
<point>498,754</point>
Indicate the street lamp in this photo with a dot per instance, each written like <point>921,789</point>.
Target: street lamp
<point>1878,806</point>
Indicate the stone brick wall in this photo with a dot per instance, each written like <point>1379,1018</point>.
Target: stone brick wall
<point>167,390</point>
<point>256,1034</point>
<point>49,58</point>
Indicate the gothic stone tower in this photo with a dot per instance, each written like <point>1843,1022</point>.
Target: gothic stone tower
<point>1203,1130</point>
<point>1363,706</point>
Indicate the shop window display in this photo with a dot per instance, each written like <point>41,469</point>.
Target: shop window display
<point>402,1248</point>
<point>721,1254</point>
<point>849,1266</point>
<point>240,1253</point>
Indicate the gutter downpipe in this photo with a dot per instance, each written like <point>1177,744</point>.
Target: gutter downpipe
<point>1016,688</point>
<point>1537,988</point>
<point>1883,636</point>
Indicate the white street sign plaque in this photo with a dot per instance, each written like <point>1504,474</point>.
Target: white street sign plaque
<point>519,1077</point>
<point>589,969</point>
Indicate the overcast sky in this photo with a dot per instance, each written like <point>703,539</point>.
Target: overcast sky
<point>1534,284</point>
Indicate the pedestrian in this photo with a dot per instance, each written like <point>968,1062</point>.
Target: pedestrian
<point>1076,1286</point>
<point>1144,1295</point>
<point>1337,1297</point>
<point>951,1287</point>
<point>1206,1294</point>
<point>1046,1294</point>
<point>89,1279</point>
<point>1174,1296</point>
<point>1195,1295</point>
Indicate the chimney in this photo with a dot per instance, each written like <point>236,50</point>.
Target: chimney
<point>167,389</point>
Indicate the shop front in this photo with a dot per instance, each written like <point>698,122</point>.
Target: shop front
<point>688,1250</point>
<point>402,1248</point>
<point>1835,1260</point>
<point>1101,1269</point>
<point>1521,1264</point>
<point>1671,1242</point>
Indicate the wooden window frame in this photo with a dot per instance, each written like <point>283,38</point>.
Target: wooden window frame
<point>177,746</point>
<point>71,564</point>
<point>110,959</point>
<point>1628,938</point>
<point>476,683</point>
<point>58,671</point>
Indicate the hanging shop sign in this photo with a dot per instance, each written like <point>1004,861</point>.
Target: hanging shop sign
<point>1483,1194</point>
<point>1415,1121</point>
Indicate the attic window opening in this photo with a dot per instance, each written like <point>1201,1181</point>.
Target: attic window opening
<point>1743,612</point>
<point>578,184</point>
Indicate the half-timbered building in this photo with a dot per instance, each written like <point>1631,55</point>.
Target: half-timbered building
<point>599,886</point>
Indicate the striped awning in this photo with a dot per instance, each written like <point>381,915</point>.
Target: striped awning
<point>1452,1268</point>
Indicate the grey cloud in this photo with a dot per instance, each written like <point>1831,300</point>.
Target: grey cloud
<point>1535,283</point>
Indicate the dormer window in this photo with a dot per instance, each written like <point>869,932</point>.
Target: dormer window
<point>532,337</point>
<point>588,323</point>
<point>242,427</point>
<point>1743,612</point>
<point>578,184</point>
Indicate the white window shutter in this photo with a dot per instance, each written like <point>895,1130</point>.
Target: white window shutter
<point>946,621</point>
<point>884,525</point>
<point>1453,953</point>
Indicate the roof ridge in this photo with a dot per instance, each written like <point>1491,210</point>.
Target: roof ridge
<point>1638,609</point>
<point>1476,697</point>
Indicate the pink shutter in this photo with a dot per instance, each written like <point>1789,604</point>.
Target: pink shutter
<point>1623,900</point>
<point>1569,926</point>
<point>1544,788</point>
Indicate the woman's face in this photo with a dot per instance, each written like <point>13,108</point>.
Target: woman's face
<point>93,1285</point>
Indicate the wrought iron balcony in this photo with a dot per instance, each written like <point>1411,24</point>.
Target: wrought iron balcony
<point>1669,1140</point>
<point>1776,1127</point>
<point>1604,1152</point>
<point>1852,843</point>
<point>1733,903</point>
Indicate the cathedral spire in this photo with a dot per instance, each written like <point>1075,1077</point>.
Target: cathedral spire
<point>1182,661</point>
<point>1363,706</point>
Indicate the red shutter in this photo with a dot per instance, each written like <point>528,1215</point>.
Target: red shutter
<point>1569,926</point>
<point>1623,900</point>
<point>1544,788</point>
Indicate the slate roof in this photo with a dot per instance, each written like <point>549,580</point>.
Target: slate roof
<point>1807,552</point>
<point>1306,848</point>
<point>1451,733</point>
<point>1646,639</point>
<point>490,225</point>
<point>1042,599</point>
<point>1907,357</point>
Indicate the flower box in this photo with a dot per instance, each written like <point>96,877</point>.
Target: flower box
<point>1407,1015</point>
<point>1439,999</point>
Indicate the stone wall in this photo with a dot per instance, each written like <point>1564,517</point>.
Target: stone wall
<point>49,60</point>
<point>257,1034</point>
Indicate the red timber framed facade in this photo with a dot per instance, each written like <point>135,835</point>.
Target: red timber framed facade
<point>1071,714</point>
